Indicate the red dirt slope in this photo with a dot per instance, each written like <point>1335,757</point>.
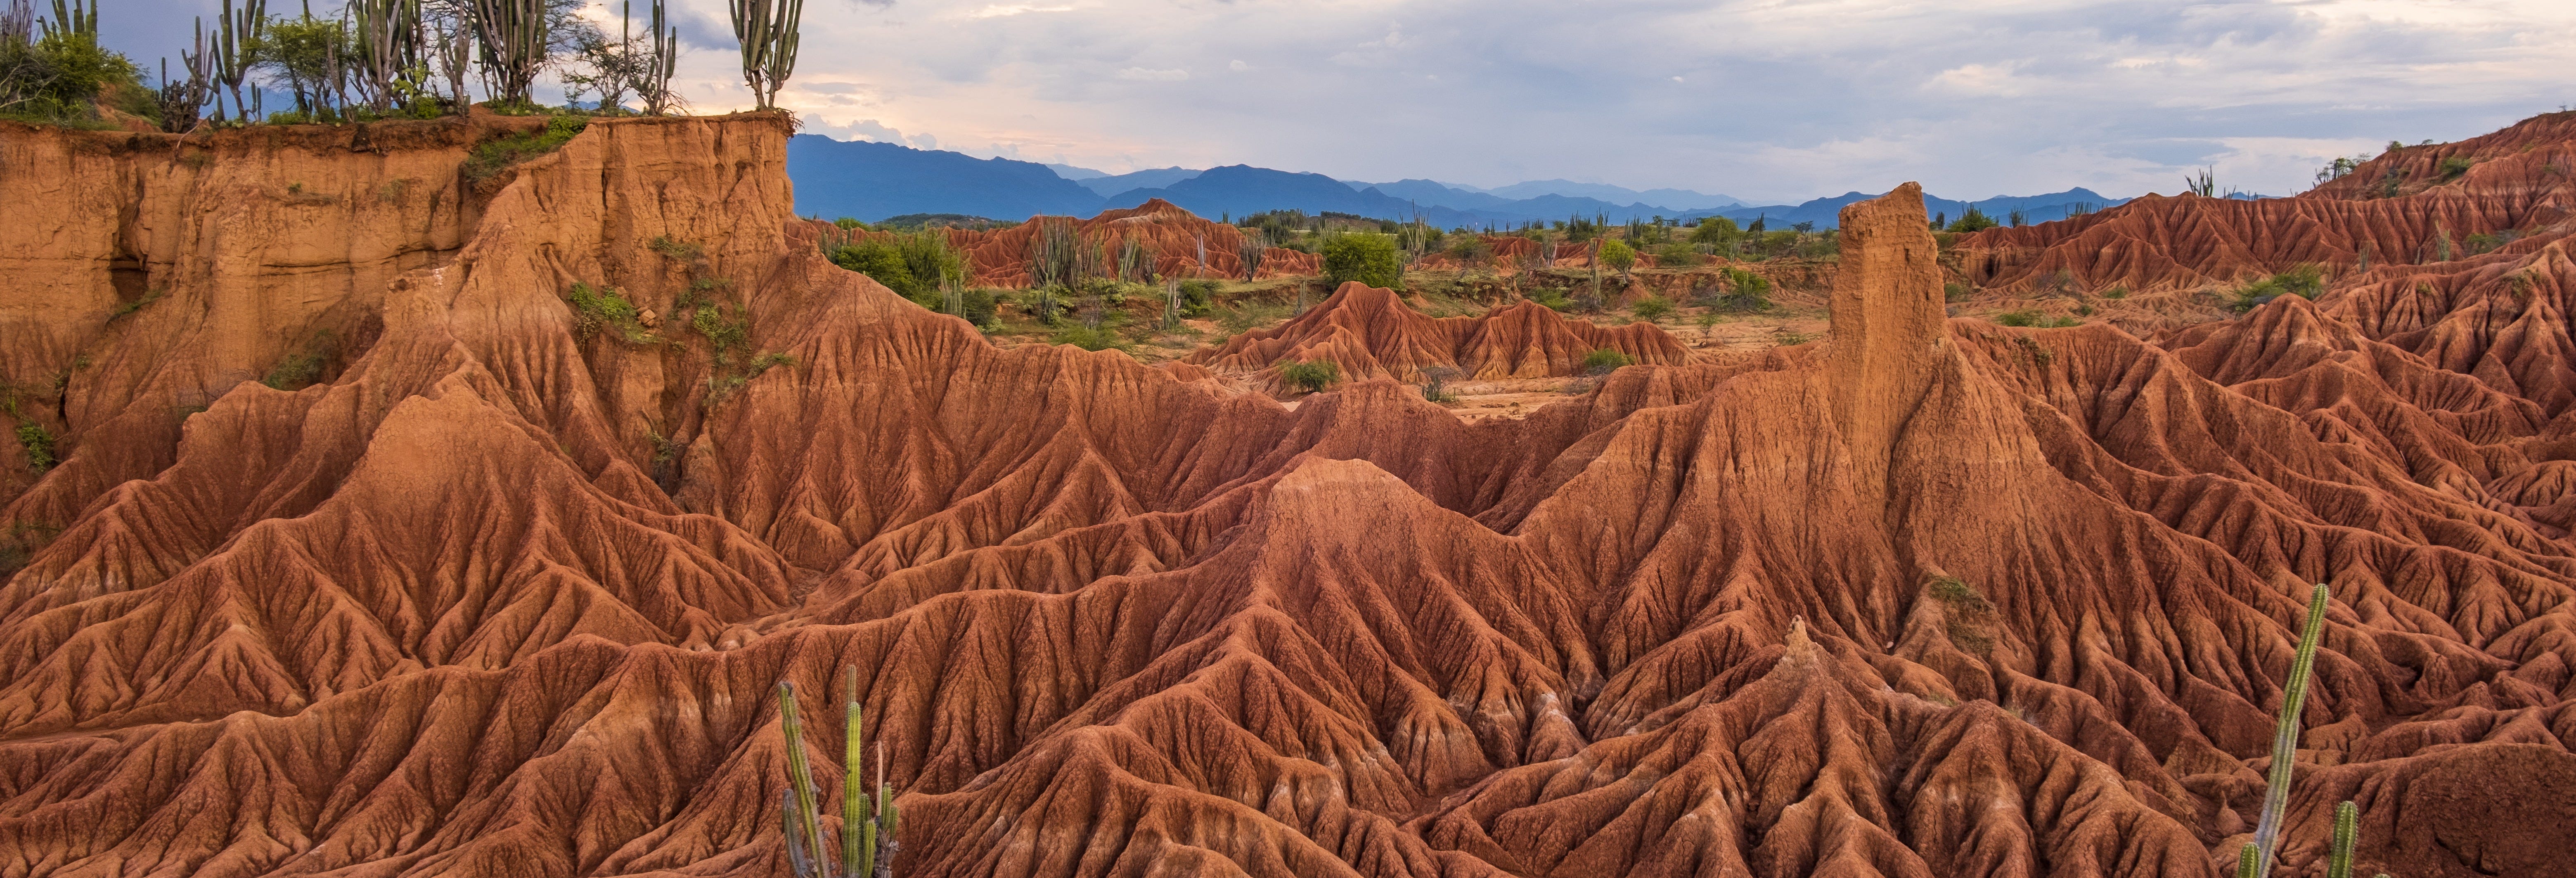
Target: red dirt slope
<point>2399,209</point>
<point>502,595</point>
<point>1370,333</point>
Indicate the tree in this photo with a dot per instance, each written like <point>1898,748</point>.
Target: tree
<point>1973,220</point>
<point>1618,255</point>
<point>1367,258</point>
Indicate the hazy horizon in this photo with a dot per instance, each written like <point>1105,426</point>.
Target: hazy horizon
<point>1768,102</point>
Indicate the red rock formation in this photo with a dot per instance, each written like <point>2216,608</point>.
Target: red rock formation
<point>2399,209</point>
<point>1928,598</point>
<point>1370,333</point>
<point>1182,245</point>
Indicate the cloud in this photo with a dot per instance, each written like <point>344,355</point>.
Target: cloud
<point>1774,100</point>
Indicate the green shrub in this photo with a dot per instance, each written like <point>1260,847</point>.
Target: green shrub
<point>491,157</point>
<point>1715,230</point>
<point>39,443</point>
<point>2304,281</point>
<point>1973,220</point>
<point>296,372</point>
<point>2455,166</point>
<point>1603,361</point>
<point>722,330</point>
<point>1618,255</point>
<point>1197,296</point>
<point>882,262</point>
<point>1651,308</point>
<point>1747,292</point>
<point>1470,248</point>
<point>57,78</point>
<point>1966,611</point>
<point>1955,291</point>
<point>676,249</point>
<point>2116,293</point>
<point>1363,257</point>
<point>1313,375</point>
<point>1678,255</point>
<point>602,308</point>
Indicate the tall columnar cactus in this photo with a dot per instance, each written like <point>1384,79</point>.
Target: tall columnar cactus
<point>389,43</point>
<point>236,42</point>
<point>767,31</point>
<point>181,99</point>
<point>654,86</point>
<point>1255,244</point>
<point>2285,738</point>
<point>804,830</point>
<point>512,36</point>
<point>76,21</point>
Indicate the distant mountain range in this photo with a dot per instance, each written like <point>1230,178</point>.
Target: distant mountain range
<point>872,181</point>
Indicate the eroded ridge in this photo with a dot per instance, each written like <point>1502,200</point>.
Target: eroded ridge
<point>506,591</point>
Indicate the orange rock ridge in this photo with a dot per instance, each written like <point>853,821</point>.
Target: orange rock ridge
<point>498,596</point>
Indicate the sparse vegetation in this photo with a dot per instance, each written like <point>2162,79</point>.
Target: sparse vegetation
<point>598,309</point>
<point>39,444</point>
<point>1954,291</point>
<point>2304,281</point>
<point>1966,611</point>
<point>2035,320</point>
<point>1972,221</point>
<point>125,308</point>
<point>1603,361</point>
<point>1312,375</point>
<point>300,369</point>
<point>1651,308</point>
<point>868,823</point>
<point>2451,168</point>
<point>489,158</point>
<point>1090,339</point>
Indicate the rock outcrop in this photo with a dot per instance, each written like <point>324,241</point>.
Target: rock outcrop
<point>507,587</point>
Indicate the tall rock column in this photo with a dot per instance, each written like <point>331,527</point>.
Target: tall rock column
<point>1888,327</point>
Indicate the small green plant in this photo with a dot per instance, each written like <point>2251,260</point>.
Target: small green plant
<point>1651,308</point>
<point>1313,375</point>
<point>1197,296</point>
<point>725,331</point>
<point>297,371</point>
<point>1746,293</point>
<point>597,309</point>
<point>1954,291</point>
<point>1364,257</point>
<point>1678,255</point>
<point>39,443</point>
<point>765,362</point>
<point>2285,740</point>
<point>676,249</point>
<point>2454,166</point>
<point>1603,361</point>
<point>1435,384</point>
<point>1967,611</point>
<point>125,308</point>
<point>2020,318</point>
<point>2121,292</point>
<point>1793,339</point>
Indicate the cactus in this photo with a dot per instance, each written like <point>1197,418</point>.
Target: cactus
<point>2347,825</point>
<point>858,849</point>
<point>180,99</point>
<point>2285,739</point>
<point>804,831</point>
<point>512,34</point>
<point>1254,244</point>
<point>2249,863</point>
<point>654,89</point>
<point>767,31</point>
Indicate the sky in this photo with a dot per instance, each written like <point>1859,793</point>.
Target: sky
<point>1768,101</point>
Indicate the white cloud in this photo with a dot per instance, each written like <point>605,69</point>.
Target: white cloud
<point>1774,100</point>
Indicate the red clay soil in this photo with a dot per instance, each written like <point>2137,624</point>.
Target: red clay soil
<point>2399,211</point>
<point>1370,333</point>
<point>503,592</point>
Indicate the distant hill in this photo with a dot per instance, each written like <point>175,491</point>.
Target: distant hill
<point>872,181</point>
<point>1671,199</point>
<point>1825,211</point>
<point>1112,184</point>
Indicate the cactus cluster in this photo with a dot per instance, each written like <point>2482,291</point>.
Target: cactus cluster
<point>2254,860</point>
<point>868,821</point>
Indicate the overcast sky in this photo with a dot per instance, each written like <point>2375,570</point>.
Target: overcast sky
<point>1765,101</point>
